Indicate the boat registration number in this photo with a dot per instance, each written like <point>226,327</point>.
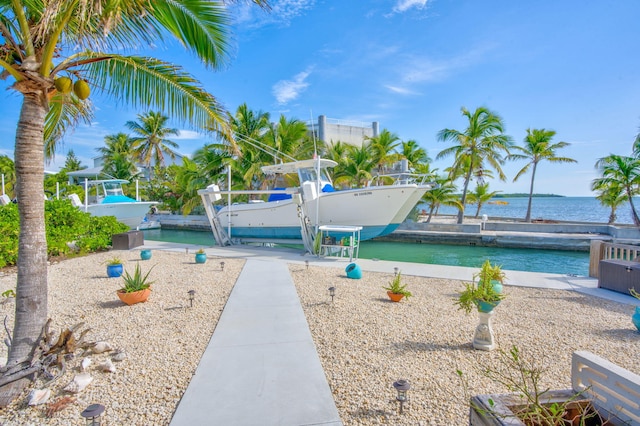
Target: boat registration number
<point>362,194</point>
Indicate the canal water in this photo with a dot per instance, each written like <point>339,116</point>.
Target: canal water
<point>551,261</point>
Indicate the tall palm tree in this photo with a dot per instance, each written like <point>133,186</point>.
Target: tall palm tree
<point>357,167</point>
<point>538,147</point>
<point>84,40</point>
<point>151,143</point>
<point>610,195</point>
<point>414,153</point>
<point>482,141</point>
<point>623,172</point>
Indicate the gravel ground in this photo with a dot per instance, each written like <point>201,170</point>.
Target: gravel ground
<point>365,342</point>
<point>163,338</point>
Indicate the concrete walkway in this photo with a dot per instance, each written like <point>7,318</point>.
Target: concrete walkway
<point>261,366</point>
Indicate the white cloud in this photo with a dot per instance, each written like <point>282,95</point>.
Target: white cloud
<point>282,12</point>
<point>187,135</point>
<point>401,90</point>
<point>404,5</point>
<point>289,90</point>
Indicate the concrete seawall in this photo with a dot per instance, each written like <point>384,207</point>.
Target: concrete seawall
<point>492,233</point>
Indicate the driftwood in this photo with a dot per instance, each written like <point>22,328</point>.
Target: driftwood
<point>48,359</point>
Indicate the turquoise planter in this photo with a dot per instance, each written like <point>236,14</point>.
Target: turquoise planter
<point>353,271</point>
<point>486,306</point>
<point>635,318</point>
<point>201,257</point>
<point>145,254</point>
<point>114,271</point>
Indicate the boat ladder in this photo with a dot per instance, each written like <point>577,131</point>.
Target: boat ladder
<point>219,233</point>
<point>306,230</point>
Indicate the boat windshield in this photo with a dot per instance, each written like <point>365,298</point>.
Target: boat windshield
<point>112,188</point>
<point>310,175</point>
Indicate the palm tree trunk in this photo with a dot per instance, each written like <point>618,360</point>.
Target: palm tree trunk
<point>464,194</point>
<point>31,292</point>
<point>634,213</point>
<point>533,176</point>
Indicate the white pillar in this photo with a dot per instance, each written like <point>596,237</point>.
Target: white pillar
<point>483,338</point>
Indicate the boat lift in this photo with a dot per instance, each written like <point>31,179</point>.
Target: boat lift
<point>213,193</point>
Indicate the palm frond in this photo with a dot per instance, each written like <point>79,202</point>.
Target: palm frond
<point>65,112</point>
<point>149,82</point>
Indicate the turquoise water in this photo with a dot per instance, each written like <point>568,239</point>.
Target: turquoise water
<point>551,261</point>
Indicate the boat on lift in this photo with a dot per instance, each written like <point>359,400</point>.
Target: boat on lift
<point>105,197</point>
<point>314,202</point>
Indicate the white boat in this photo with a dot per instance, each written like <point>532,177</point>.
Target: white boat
<point>106,198</point>
<point>379,210</point>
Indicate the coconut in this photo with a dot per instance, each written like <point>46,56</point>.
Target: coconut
<point>81,89</point>
<point>63,84</point>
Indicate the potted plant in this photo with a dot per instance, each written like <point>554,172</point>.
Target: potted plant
<point>486,294</point>
<point>396,291</point>
<point>635,318</point>
<point>114,267</point>
<point>136,287</point>
<point>201,256</point>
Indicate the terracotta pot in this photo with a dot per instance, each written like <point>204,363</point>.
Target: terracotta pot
<point>135,296</point>
<point>395,297</point>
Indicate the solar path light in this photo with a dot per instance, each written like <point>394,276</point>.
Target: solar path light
<point>402,387</point>
<point>92,414</point>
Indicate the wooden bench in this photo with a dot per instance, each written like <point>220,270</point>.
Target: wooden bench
<point>619,275</point>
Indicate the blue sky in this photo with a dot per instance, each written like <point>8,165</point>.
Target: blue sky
<point>571,66</point>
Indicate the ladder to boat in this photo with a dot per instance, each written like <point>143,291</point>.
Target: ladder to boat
<point>219,233</point>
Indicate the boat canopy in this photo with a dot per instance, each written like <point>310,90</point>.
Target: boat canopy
<point>294,166</point>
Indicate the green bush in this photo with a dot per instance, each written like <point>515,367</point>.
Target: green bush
<point>65,224</point>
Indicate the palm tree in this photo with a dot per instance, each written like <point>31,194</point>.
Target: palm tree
<point>481,195</point>
<point>357,167</point>
<point>623,172</point>
<point>151,143</point>
<point>538,147</point>
<point>383,148</point>
<point>442,194</point>
<point>118,155</point>
<point>610,195</point>
<point>414,153</point>
<point>481,141</point>
<point>43,41</point>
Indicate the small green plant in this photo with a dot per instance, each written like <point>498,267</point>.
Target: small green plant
<point>201,251</point>
<point>9,293</point>
<point>489,272</point>
<point>114,261</point>
<point>396,287</point>
<point>137,281</point>
<point>634,293</point>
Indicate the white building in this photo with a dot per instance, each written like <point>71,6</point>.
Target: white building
<point>331,130</point>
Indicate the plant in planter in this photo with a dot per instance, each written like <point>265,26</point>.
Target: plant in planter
<point>485,295</point>
<point>396,291</point>
<point>635,318</point>
<point>201,256</point>
<point>114,267</point>
<point>136,287</point>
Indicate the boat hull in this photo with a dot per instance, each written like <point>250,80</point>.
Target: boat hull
<point>131,214</point>
<point>378,210</point>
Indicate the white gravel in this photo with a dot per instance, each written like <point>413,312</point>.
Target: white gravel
<point>365,342</point>
<point>163,338</point>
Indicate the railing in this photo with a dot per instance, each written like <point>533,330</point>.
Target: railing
<point>602,250</point>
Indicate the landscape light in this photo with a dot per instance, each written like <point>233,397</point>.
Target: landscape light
<point>92,414</point>
<point>306,262</point>
<point>192,295</point>
<point>332,293</point>
<point>395,271</point>
<point>222,266</point>
<point>402,387</point>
